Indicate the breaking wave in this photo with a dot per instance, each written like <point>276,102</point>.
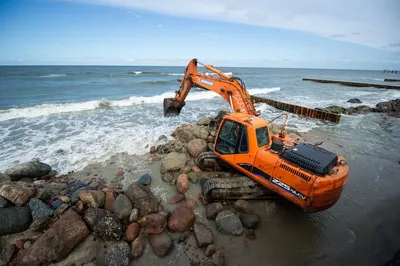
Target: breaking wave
<point>48,109</point>
<point>53,76</point>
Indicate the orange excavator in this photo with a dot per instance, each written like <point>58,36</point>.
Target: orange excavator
<point>303,173</point>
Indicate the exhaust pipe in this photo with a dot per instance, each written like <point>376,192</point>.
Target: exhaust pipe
<point>172,107</point>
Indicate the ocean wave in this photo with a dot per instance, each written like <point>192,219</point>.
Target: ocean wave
<point>49,109</point>
<point>135,72</point>
<point>53,76</point>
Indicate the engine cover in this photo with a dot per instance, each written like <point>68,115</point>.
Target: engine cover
<point>312,158</point>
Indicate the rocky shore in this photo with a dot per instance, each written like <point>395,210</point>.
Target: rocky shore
<point>391,108</point>
<point>108,217</point>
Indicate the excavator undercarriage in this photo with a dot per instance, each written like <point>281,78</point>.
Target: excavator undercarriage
<point>229,187</point>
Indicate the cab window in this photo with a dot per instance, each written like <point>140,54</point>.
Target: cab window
<point>262,136</point>
<point>232,138</point>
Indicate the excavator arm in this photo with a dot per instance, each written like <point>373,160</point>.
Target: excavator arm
<point>230,88</point>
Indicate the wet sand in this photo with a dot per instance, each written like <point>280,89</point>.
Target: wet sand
<point>363,228</point>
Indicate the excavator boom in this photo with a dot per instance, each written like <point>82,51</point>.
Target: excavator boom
<point>230,88</point>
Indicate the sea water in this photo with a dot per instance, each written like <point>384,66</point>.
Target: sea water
<point>71,116</point>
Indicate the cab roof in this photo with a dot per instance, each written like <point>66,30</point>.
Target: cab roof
<point>247,119</point>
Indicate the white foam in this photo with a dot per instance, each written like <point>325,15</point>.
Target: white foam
<point>53,76</point>
<point>48,109</point>
<point>175,74</point>
<point>138,72</point>
<point>214,74</point>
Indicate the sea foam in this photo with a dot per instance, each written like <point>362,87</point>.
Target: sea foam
<point>48,109</point>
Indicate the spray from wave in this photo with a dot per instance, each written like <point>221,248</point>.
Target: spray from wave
<point>53,76</point>
<point>48,109</point>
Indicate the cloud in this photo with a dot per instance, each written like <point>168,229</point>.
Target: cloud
<point>136,15</point>
<point>372,23</point>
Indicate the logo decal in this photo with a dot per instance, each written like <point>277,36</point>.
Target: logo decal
<point>288,188</point>
<point>208,82</point>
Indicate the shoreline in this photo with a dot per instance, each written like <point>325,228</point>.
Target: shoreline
<point>285,235</point>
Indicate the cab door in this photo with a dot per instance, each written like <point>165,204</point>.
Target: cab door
<point>232,146</point>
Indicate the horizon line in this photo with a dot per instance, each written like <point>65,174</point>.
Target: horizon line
<point>117,65</point>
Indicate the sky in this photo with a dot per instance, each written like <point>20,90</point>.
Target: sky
<point>347,34</point>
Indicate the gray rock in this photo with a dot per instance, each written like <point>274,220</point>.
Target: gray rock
<point>335,109</point>
<point>14,220</point>
<point>210,250</point>
<point>170,177</point>
<point>228,223</point>
<point>213,209</point>
<point>145,180</point>
<point>196,147</point>
<point>205,121</point>
<point>354,100</point>
<point>3,202</point>
<point>203,234</point>
<point>56,204</point>
<point>32,169</point>
<point>117,254</point>
<point>142,198</point>
<point>173,161</point>
<point>161,244</point>
<point>243,206</point>
<point>218,258</point>
<point>105,224</point>
<point>250,220</point>
<point>39,209</point>
<point>172,146</point>
<point>192,177</point>
<point>122,207</point>
<point>134,216</point>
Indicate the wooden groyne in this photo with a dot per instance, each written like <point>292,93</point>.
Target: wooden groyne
<point>391,80</point>
<point>300,110</point>
<point>391,71</point>
<point>354,84</point>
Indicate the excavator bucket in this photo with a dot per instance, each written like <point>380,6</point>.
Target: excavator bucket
<point>172,107</point>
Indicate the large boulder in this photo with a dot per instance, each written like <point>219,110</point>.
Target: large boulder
<point>205,121</point>
<point>117,254</point>
<point>196,147</point>
<point>138,246</point>
<point>3,202</point>
<point>213,209</point>
<point>250,220</point>
<point>39,209</point>
<point>154,223</point>
<point>161,244</point>
<point>57,242</point>
<point>173,161</point>
<point>188,132</point>
<point>392,107</point>
<point>105,224</point>
<point>142,198</point>
<point>93,198</point>
<point>354,100</point>
<point>203,234</point>
<point>17,195</point>
<point>14,220</point>
<point>335,109</point>
<point>182,184</point>
<point>33,168</point>
<point>172,146</point>
<point>182,219</point>
<point>228,223</point>
<point>122,207</point>
<point>243,206</point>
